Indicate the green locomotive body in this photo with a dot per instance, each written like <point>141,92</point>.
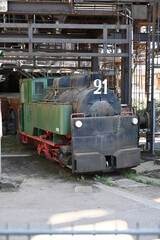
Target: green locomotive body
<point>38,117</point>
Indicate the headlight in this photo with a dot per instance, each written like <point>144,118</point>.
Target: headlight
<point>78,124</point>
<point>135,121</point>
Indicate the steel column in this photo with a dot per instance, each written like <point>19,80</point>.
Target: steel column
<point>95,64</point>
<point>152,127</point>
<point>0,142</point>
<point>126,67</point>
<point>30,38</point>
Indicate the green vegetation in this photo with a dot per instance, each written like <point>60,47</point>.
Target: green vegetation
<point>81,178</point>
<point>133,177</point>
<point>144,171</point>
<point>105,180</point>
<point>142,161</point>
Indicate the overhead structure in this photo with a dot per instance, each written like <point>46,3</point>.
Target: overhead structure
<point>68,34</point>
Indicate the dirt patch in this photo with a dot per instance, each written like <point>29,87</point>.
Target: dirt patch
<point>11,144</point>
<point>19,168</point>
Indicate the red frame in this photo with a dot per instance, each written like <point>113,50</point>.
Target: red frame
<point>44,145</point>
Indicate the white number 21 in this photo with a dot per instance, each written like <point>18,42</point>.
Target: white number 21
<point>98,84</point>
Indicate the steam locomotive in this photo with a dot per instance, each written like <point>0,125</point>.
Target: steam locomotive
<point>76,124</point>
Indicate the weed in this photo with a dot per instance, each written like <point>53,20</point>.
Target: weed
<point>104,180</point>
<point>97,178</point>
<point>142,161</point>
<point>19,182</point>
<point>144,171</point>
<point>129,175</point>
<point>81,178</point>
<point>108,181</point>
<point>151,182</point>
<point>133,177</point>
<point>60,173</point>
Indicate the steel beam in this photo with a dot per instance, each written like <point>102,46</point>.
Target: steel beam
<point>64,26</point>
<point>44,59</point>
<point>49,67</point>
<point>39,7</point>
<point>19,39</point>
<point>66,54</point>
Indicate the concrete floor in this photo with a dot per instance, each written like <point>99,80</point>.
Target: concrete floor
<point>44,202</point>
<point>47,195</point>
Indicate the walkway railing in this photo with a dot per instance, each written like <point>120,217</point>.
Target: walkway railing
<point>29,233</point>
